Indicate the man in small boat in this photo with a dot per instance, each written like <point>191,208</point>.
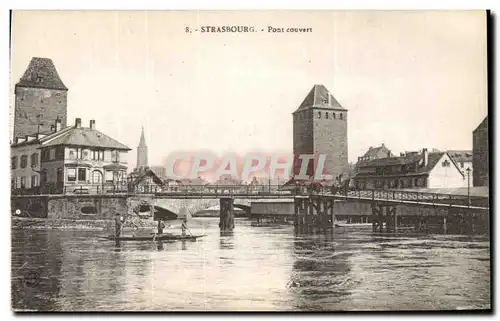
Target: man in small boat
<point>161,226</point>
<point>119,220</point>
<point>184,226</point>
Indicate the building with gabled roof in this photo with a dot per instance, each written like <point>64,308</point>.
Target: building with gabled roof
<point>74,159</point>
<point>320,127</point>
<point>411,170</point>
<point>376,152</point>
<point>40,99</point>
<point>144,180</point>
<point>463,158</point>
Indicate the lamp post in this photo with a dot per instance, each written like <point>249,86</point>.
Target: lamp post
<point>468,185</point>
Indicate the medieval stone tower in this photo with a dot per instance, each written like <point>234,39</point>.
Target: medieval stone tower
<point>40,98</point>
<point>320,127</point>
<point>142,153</point>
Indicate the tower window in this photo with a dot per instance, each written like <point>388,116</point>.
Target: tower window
<point>340,115</point>
<point>334,116</point>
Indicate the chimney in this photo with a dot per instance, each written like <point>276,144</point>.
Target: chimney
<point>425,153</point>
<point>58,124</point>
<point>92,124</point>
<point>78,122</point>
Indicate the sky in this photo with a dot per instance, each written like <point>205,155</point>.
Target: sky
<point>411,80</point>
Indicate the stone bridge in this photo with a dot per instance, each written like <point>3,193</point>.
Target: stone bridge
<point>142,204</point>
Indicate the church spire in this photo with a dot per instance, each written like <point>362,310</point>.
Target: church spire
<point>142,152</point>
<point>142,142</point>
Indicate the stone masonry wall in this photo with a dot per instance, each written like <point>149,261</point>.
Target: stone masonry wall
<point>88,208</point>
<point>302,136</point>
<point>30,102</point>
<point>330,138</point>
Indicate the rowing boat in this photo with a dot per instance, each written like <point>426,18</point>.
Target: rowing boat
<point>163,237</point>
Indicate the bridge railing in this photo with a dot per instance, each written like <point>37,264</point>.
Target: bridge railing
<point>415,196</point>
<point>275,191</point>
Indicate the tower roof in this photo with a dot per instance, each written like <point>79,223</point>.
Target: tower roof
<point>142,141</point>
<point>483,125</point>
<point>41,73</point>
<point>320,97</point>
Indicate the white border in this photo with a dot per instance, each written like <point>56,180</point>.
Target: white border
<point>149,4</point>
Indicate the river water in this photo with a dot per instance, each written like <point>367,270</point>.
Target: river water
<point>255,268</point>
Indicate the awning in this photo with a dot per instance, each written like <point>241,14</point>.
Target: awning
<point>78,164</point>
<point>114,167</point>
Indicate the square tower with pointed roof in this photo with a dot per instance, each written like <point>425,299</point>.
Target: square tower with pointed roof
<point>320,127</point>
<point>40,98</point>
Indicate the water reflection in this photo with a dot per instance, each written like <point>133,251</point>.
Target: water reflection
<point>36,265</point>
<point>226,241</point>
<point>253,268</point>
<point>320,275</point>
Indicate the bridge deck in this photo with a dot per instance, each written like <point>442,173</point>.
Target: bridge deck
<point>386,196</point>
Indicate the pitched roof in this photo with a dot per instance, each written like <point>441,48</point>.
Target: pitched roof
<point>138,175</point>
<point>377,152</point>
<point>44,136</point>
<point>483,125</point>
<point>389,161</point>
<point>320,97</point>
<point>41,73</point>
<point>432,160</point>
<point>460,155</point>
<point>82,136</point>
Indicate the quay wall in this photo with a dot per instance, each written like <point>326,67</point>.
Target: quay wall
<point>100,207</point>
<point>83,207</point>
